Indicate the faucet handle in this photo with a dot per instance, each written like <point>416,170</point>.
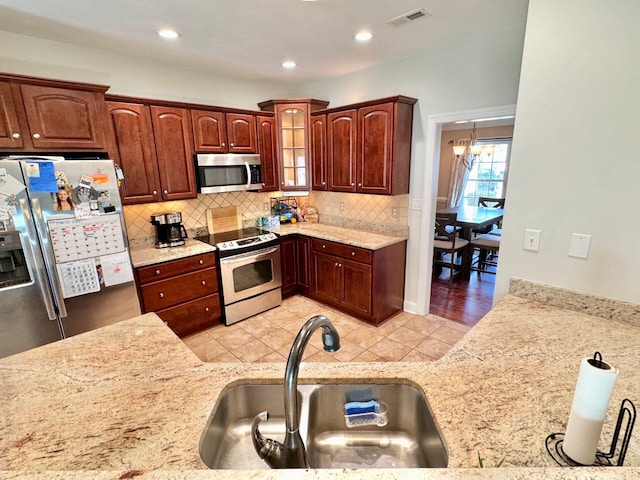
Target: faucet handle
<point>268,449</point>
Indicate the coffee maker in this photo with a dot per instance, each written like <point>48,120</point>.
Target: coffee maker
<point>169,229</point>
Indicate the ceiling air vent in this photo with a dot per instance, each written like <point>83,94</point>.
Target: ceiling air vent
<point>409,17</point>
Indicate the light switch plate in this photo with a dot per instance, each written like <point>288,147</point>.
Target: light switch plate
<point>531,240</point>
<point>579,245</point>
<point>415,204</point>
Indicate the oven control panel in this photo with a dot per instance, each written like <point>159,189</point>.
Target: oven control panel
<point>242,243</point>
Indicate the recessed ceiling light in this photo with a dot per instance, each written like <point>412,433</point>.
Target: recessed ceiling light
<point>289,64</point>
<point>168,33</point>
<point>363,36</point>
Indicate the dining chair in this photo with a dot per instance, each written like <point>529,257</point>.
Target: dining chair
<point>489,202</point>
<point>487,247</point>
<point>447,244</point>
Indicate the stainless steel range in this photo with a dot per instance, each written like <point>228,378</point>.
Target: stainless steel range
<point>249,263</point>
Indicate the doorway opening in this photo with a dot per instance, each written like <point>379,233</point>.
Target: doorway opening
<point>435,125</point>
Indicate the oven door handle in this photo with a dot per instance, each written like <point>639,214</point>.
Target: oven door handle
<point>243,256</point>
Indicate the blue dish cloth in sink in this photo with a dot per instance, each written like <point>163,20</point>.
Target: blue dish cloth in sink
<point>357,408</point>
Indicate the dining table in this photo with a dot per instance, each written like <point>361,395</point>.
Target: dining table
<point>472,217</point>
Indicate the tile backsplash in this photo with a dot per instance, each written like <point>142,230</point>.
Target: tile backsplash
<point>386,214</point>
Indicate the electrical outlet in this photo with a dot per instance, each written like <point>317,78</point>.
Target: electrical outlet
<point>265,206</point>
<point>394,212</point>
<point>531,240</point>
<point>342,206</point>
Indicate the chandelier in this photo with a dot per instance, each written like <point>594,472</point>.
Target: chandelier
<point>474,149</point>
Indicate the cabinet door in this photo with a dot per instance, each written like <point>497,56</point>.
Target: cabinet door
<point>173,149</point>
<point>10,135</point>
<point>375,149</point>
<point>341,150</point>
<point>209,131</point>
<point>135,152</point>
<point>327,281</point>
<point>356,294</point>
<point>288,265</point>
<point>268,152</point>
<point>60,118</point>
<point>319,152</point>
<point>303,249</point>
<point>241,133</point>
<point>293,127</point>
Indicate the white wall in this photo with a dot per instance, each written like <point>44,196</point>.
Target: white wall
<point>577,108</point>
<point>130,75</point>
<point>478,73</point>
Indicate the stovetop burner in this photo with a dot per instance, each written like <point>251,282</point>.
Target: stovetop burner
<point>239,241</point>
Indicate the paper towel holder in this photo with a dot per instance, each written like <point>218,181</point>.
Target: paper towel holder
<point>628,413</point>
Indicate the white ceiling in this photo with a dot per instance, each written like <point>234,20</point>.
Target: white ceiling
<point>251,38</point>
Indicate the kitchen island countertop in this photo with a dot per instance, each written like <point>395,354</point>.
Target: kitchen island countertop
<point>131,400</point>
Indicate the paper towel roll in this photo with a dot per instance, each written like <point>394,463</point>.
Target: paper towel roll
<point>590,401</point>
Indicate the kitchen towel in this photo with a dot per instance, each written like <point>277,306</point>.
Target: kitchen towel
<point>590,401</point>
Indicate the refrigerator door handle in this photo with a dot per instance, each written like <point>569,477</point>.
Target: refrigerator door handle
<point>49,260</point>
<point>36,262</point>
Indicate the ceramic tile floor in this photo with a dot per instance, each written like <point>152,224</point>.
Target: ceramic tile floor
<point>268,337</point>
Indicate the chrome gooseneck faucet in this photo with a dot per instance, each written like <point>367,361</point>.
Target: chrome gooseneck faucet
<point>291,453</point>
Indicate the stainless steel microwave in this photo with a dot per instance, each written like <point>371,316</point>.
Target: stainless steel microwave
<point>219,173</point>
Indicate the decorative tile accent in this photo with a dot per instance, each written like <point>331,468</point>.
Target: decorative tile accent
<point>370,212</point>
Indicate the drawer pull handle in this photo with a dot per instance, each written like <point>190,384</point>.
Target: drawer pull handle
<point>166,191</point>
<point>161,295</point>
<point>353,254</point>
<point>157,272</point>
<point>36,136</point>
<point>16,135</point>
<point>324,246</point>
<point>203,282</point>
<point>206,309</point>
<point>339,265</point>
<point>201,261</point>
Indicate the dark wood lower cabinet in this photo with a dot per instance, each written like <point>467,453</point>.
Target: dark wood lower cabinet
<point>294,263</point>
<point>184,293</point>
<point>368,284</point>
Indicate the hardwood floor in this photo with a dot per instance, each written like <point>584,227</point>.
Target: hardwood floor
<point>466,302</point>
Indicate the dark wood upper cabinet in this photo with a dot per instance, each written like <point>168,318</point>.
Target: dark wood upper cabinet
<point>293,140</point>
<point>241,133</point>
<point>219,132</point>
<point>268,152</point>
<point>60,118</point>
<point>319,152</point>
<point>341,150</point>
<point>135,152</point>
<point>174,151</point>
<point>10,133</point>
<point>368,147</point>
<point>40,114</point>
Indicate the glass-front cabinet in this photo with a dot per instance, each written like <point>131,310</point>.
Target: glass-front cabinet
<point>293,140</point>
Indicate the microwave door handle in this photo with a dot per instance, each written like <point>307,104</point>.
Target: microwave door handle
<point>35,264</point>
<point>246,164</point>
<point>49,259</point>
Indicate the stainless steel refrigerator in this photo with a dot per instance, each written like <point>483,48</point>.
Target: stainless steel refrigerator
<point>65,266</point>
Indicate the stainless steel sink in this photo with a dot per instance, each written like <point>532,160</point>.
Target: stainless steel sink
<point>409,437</point>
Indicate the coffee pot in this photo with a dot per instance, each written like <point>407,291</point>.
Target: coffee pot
<point>169,229</point>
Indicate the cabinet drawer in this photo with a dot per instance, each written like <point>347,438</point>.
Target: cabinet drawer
<point>341,250</point>
<point>160,271</point>
<point>180,289</point>
<point>193,316</point>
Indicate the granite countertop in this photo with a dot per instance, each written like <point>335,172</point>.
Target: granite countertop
<point>348,236</point>
<point>144,255</point>
<point>131,400</point>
